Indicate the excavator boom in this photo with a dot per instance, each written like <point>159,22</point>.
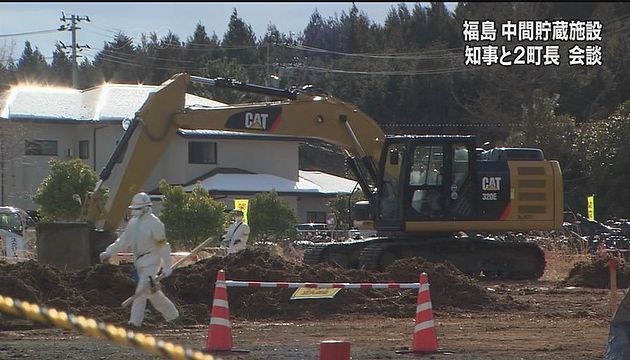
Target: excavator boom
<point>313,115</point>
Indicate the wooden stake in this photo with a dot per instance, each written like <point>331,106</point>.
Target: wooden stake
<point>612,269</point>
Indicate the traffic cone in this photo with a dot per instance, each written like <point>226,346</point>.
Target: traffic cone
<point>220,328</point>
<point>424,336</point>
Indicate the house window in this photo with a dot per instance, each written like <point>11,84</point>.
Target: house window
<point>316,216</point>
<point>41,147</point>
<point>84,149</point>
<point>202,152</point>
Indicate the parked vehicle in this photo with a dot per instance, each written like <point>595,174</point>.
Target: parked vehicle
<point>17,234</point>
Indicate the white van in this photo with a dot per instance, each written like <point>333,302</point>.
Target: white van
<point>17,234</point>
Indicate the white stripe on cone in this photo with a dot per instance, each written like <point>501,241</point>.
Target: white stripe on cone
<point>221,322</point>
<point>423,307</point>
<point>423,326</point>
<point>220,303</point>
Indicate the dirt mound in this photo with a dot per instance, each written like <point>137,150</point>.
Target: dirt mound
<point>595,274</point>
<point>99,290</point>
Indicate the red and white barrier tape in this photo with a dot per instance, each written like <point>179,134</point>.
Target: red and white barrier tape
<point>261,284</point>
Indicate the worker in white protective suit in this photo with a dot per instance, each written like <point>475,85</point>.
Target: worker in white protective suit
<point>146,236</point>
<point>235,238</point>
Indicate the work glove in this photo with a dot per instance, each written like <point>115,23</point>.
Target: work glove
<point>167,271</point>
<point>103,257</point>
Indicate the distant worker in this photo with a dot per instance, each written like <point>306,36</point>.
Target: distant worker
<point>146,235</point>
<point>235,238</point>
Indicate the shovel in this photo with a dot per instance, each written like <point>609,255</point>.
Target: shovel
<point>155,284</point>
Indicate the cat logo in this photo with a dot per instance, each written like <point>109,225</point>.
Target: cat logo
<point>256,121</point>
<point>491,183</point>
<point>264,119</point>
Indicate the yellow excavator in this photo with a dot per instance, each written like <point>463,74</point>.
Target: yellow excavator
<point>428,196</point>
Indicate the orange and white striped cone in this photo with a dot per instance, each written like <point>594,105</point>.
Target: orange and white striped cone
<point>220,328</point>
<point>424,336</point>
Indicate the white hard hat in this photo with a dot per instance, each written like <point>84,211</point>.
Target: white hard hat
<point>140,200</point>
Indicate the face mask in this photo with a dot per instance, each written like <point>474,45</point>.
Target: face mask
<point>136,212</point>
<point>238,218</point>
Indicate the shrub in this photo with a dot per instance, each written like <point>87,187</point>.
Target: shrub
<point>190,218</point>
<point>270,218</point>
<point>62,193</point>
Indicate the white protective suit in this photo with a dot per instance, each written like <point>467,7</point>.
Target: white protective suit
<point>146,236</point>
<point>235,238</point>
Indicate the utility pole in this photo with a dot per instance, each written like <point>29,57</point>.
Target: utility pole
<point>73,20</point>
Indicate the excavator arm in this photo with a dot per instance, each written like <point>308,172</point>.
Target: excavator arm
<point>303,113</point>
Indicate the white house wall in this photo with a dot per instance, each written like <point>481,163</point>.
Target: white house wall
<point>24,174</point>
<point>275,158</point>
<point>278,158</point>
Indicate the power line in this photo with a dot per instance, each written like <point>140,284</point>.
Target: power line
<point>387,73</point>
<point>128,62</point>
<point>424,55</point>
<point>115,53</point>
<point>29,33</point>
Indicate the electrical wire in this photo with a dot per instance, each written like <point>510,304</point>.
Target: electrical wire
<point>29,33</point>
<point>448,54</point>
<point>387,73</point>
<point>114,53</point>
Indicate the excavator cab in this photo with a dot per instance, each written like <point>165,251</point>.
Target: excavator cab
<point>441,183</point>
<point>425,178</point>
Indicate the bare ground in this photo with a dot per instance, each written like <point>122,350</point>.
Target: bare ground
<point>544,319</point>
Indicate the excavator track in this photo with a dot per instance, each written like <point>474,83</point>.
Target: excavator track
<point>473,256</point>
<point>344,254</point>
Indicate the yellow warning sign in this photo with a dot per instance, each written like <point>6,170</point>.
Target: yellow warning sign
<point>313,293</point>
<point>591,207</point>
<point>242,204</point>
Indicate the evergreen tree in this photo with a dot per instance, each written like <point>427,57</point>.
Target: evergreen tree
<point>240,41</point>
<point>320,33</point>
<point>170,60</point>
<point>61,67</point>
<point>118,61</point>
<point>355,31</point>
<point>200,48</point>
<point>32,64</point>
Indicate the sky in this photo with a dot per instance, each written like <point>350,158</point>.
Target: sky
<point>133,19</point>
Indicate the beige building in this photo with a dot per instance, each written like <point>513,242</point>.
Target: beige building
<point>40,123</point>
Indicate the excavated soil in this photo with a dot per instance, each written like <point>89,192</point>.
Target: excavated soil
<point>98,291</point>
<point>594,273</point>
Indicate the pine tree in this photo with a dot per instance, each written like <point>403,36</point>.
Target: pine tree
<point>61,67</point>
<point>240,40</point>
<point>118,61</point>
<point>200,48</point>
<point>32,64</point>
